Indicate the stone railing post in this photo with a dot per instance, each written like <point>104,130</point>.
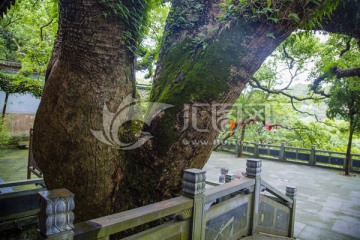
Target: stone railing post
<point>194,187</point>
<point>282,152</point>
<point>55,216</point>
<point>312,158</point>
<point>256,149</point>
<point>291,193</point>
<point>253,170</point>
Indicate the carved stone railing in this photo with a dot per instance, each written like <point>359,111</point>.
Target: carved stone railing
<point>311,156</point>
<point>227,211</point>
<point>56,217</point>
<point>19,207</point>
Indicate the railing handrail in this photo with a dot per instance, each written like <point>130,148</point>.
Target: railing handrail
<point>303,149</point>
<point>105,226</point>
<point>325,151</point>
<point>228,188</point>
<point>39,181</point>
<point>269,145</point>
<point>275,192</point>
<point>189,213</point>
<point>296,148</point>
<point>212,183</point>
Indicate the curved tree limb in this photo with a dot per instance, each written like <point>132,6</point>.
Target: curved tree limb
<point>43,26</point>
<point>259,86</point>
<point>348,72</point>
<point>296,109</point>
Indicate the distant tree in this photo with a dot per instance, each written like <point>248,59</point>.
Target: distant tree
<point>21,83</point>
<point>345,104</point>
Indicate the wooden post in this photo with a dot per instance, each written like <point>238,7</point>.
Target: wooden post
<point>194,187</point>
<point>312,158</point>
<point>56,217</point>
<point>282,152</point>
<point>256,149</point>
<point>291,193</point>
<point>253,170</point>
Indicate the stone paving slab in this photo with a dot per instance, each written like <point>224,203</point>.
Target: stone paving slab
<point>328,203</point>
<point>13,167</point>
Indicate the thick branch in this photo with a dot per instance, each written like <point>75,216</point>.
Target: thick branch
<point>259,86</point>
<point>41,28</point>
<point>344,20</point>
<point>348,46</point>
<point>350,72</point>
<point>316,84</point>
<point>296,109</point>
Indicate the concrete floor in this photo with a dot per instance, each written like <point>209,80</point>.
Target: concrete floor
<point>328,203</point>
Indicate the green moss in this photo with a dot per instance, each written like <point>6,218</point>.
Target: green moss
<point>200,76</point>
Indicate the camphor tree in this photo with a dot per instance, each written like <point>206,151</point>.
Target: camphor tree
<point>209,53</point>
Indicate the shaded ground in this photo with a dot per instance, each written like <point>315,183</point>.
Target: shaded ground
<point>328,203</point>
<point>13,164</point>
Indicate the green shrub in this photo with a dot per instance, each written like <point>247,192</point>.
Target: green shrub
<point>4,135</point>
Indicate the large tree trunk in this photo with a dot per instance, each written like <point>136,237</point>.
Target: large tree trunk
<point>90,66</point>
<point>203,61</point>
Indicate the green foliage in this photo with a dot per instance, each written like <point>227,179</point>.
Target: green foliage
<point>279,11</point>
<point>135,14</point>
<point>149,49</point>
<point>4,134</point>
<point>307,55</point>
<point>270,11</point>
<point>21,82</point>
<point>27,33</point>
<point>345,101</point>
<point>324,9</point>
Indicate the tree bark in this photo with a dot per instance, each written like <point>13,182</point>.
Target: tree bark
<point>344,20</point>
<point>90,66</point>
<point>5,105</point>
<point>348,152</point>
<point>202,62</point>
<point>352,127</point>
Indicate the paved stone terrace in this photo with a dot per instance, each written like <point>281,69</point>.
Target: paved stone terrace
<point>328,203</point>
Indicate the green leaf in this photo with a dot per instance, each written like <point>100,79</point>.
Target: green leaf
<point>271,35</point>
<point>275,20</point>
<point>268,3</point>
<point>294,17</point>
